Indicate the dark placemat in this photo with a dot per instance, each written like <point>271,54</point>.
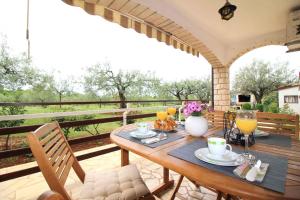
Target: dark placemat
<point>272,139</point>
<point>182,126</point>
<point>171,137</point>
<point>274,179</point>
<point>275,139</point>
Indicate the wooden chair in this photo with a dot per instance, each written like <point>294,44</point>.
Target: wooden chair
<point>215,118</point>
<point>55,159</point>
<point>283,124</point>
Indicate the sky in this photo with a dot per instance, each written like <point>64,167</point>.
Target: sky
<point>67,39</point>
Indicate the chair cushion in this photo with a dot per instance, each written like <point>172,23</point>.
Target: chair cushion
<point>124,183</point>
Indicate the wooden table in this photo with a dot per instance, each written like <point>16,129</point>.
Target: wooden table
<point>207,177</point>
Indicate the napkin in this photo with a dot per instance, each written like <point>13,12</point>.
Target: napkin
<point>243,169</point>
<point>150,140</point>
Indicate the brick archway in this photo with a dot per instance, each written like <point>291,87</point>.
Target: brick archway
<point>244,51</point>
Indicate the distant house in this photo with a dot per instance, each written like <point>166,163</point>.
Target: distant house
<point>290,94</point>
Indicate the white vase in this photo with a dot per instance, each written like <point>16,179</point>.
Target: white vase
<point>196,126</point>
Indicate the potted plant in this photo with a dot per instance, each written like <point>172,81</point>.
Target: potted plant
<point>195,124</point>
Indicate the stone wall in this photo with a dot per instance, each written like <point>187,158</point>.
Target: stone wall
<point>221,88</point>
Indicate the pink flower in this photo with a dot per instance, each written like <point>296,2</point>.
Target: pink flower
<point>185,112</point>
<point>194,108</point>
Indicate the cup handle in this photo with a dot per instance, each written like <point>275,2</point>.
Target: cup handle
<point>228,145</point>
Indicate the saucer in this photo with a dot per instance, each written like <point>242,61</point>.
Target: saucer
<point>140,135</point>
<point>260,133</point>
<point>229,156</point>
<point>202,153</point>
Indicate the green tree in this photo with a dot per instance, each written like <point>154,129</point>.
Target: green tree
<point>203,89</point>
<point>102,80</point>
<point>189,88</point>
<point>63,87</point>
<point>175,88</point>
<point>42,88</point>
<point>185,89</point>
<point>261,78</point>
<point>12,68</point>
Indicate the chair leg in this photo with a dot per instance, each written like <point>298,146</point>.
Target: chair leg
<point>177,187</point>
<point>231,197</point>
<point>220,195</point>
<point>194,182</point>
<point>149,197</point>
<point>226,196</point>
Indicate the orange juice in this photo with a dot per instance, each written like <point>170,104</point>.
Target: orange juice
<point>246,126</point>
<point>162,115</point>
<point>171,111</point>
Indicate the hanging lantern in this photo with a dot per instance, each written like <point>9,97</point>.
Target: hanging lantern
<point>227,11</point>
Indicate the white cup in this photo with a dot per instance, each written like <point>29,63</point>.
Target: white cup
<point>143,127</point>
<point>217,146</point>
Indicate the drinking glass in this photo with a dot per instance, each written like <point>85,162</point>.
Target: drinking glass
<point>246,121</point>
<point>171,111</point>
<point>162,116</point>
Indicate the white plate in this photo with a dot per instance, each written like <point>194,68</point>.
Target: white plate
<point>140,135</point>
<point>229,156</point>
<point>259,133</point>
<point>201,154</point>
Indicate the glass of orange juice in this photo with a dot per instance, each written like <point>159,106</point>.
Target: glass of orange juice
<point>171,111</point>
<point>246,121</point>
<point>162,116</point>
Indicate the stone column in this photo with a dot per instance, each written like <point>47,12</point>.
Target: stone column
<point>221,88</point>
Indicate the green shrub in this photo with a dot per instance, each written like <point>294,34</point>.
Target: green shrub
<point>259,107</point>
<point>271,98</point>
<point>286,110</point>
<point>11,110</point>
<point>273,107</point>
<point>246,106</point>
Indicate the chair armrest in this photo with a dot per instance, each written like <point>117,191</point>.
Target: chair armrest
<point>50,195</point>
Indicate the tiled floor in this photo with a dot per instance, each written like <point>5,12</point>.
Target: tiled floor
<point>29,187</point>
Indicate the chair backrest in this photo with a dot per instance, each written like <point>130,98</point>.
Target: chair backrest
<point>54,156</point>
<point>215,118</point>
<point>278,123</point>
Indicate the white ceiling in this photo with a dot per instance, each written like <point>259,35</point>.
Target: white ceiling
<point>255,23</point>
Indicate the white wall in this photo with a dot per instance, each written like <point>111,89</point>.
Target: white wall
<point>289,91</point>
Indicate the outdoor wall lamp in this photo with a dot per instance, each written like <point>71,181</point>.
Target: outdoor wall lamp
<point>227,11</point>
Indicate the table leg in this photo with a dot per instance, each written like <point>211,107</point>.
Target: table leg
<point>167,183</point>
<point>177,187</point>
<point>166,175</point>
<point>124,157</point>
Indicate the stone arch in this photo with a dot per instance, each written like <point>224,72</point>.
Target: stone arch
<point>244,51</point>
